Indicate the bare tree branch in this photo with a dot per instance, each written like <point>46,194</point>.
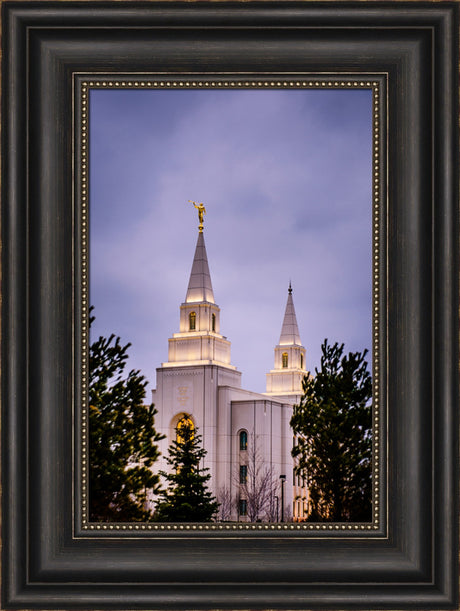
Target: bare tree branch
<point>227,504</point>
<point>261,486</point>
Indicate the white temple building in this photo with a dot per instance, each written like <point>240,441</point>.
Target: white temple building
<point>242,431</point>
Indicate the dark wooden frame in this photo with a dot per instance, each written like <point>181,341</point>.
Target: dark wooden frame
<point>47,562</point>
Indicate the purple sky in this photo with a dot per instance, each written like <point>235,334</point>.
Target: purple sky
<point>286,180</point>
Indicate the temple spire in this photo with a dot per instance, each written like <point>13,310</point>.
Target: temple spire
<point>285,379</point>
<point>199,340</point>
<point>290,330</point>
<point>199,286</point>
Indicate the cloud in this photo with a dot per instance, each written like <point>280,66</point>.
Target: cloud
<point>286,180</point>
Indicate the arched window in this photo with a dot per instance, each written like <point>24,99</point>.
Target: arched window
<point>213,322</point>
<point>301,361</point>
<point>243,440</point>
<point>285,359</point>
<point>192,321</point>
<point>184,429</point>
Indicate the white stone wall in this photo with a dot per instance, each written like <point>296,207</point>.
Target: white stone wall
<point>203,347</point>
<point>221,409</point>
<point>294,357</point>
<point>265,421</point>
<point>204,312</point>
<point>191,390</point>
<point>283,382</point>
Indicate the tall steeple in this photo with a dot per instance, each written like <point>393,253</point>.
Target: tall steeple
<point>199,341</point>
<point>200,286</point>
<point>189,383</point>
<point>285,379</point>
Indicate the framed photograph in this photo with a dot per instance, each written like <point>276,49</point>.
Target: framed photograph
<point>308,149</point>
<point>262,156</point>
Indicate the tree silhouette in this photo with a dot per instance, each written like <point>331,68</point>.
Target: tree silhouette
<point>187,498</point>
<point>332,424</point>
<point>122,437</point>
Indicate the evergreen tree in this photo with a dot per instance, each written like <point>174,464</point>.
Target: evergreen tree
<point>333,448</point>
<point>122,437</point>
<point>187,498</point>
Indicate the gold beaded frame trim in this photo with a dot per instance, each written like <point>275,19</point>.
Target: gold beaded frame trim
<point>82,84</point>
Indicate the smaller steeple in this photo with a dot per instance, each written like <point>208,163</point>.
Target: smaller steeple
<point>285,379</point>
<point>290,330</point>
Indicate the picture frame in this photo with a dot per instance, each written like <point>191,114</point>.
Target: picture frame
<point>49,561</point>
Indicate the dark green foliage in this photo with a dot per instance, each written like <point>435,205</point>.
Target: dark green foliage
<point>332,424</point>
<point>187,499</point>
<point>122,437</point>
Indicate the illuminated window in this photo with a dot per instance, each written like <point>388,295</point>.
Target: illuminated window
<point>184,422</point>
<point>243,440</point>
<point>285,359</point>
<point>192,321</point>
<point>243,507</point>
<point>213,322</point>
<point>243,474</point>
<point>301,361</point>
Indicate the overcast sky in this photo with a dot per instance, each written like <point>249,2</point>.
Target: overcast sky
<point>286,180</point>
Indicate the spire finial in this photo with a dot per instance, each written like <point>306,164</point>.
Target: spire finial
<point>201,210</point>
<point>290,288</point>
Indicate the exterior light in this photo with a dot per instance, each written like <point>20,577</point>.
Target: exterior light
<point>283,479</point>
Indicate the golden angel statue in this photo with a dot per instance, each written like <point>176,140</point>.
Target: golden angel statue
<point>201,211</point>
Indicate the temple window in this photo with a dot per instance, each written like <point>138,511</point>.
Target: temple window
<point>184,422</point>
<point>192,321</point>
<point>213,322</point>
<point>285,359</point>
<point>243,440</point>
